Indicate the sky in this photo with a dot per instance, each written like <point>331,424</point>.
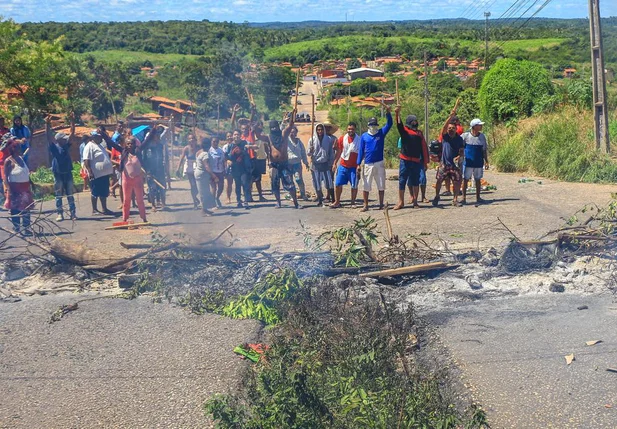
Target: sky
<point>280,10</point>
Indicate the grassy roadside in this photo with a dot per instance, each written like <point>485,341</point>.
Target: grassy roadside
<point>556,146</point>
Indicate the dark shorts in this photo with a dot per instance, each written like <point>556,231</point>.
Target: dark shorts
<point>282,175</point>
<point>408,173</point>
<point>259,168</point>
<point>100,187</point>
<point>445,171</point>
<point>422,177</point>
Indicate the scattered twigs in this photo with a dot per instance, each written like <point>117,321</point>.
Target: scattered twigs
<point>215,239</point>
<point>222,249</point>
<point>508,229</point>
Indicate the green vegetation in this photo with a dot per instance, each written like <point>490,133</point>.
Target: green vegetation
<point>157,59</point>
<point>264,301</point>
<point>369,47</point>
<point>556,148</point>
<point>511,88</point>
<point>44,175</point>
<point>338,362</point>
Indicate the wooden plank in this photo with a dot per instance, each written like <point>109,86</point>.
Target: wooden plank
<point>127,226</point>
<point>408,270</point>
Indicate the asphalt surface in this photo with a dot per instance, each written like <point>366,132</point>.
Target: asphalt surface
<point>114,363</point>
<point>512,356</point>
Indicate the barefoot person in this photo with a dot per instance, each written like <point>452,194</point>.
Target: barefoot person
<point>19,198</point>
<point>476,157</point>
<point>413,158</point>
<point>132,179</point>
<point>187,165</point>
<point>346,156</point>
<point>371,154</point>
<point>452,150</point>
<point>278,154</point>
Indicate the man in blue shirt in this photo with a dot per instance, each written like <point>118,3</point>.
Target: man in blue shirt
<point>62,167</point>
<point>371,153</point>
<point>476,158</point>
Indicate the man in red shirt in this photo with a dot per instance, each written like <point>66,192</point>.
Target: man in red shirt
<point>413,158</point>
<point>347,151</point>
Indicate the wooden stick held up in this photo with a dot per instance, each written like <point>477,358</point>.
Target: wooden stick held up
<point>297,88</point>
<point>398,98</point>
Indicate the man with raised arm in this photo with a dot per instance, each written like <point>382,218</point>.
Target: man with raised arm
<point>371,154</point>
<point>413,158</point>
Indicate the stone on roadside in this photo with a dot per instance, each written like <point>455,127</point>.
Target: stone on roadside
<point>557,287</point>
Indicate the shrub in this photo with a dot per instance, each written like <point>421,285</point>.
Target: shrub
<point>511,88</point>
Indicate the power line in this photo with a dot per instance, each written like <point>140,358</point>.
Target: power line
<point>546,3</point>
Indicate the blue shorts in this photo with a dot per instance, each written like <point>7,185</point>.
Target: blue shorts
<point>422,177</point>
<point>408,174</point>
<point>345,175</point>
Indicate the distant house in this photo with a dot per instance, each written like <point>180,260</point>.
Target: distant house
<point>168,111</point>
<point>363,73</point>
<point>157,101</point>
<point>569,72</point>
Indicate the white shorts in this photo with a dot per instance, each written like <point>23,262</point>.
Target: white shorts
<point>376,172</point>
<point>477,173</point>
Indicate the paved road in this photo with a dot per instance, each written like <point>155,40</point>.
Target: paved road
<point>511,352</point>
<point>113,363</point>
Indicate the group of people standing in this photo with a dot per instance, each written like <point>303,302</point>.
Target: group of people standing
<point>133,159</point>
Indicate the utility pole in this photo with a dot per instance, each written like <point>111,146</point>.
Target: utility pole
<point>600,112</point>
<point>486,15</point>
<point>426,95</point>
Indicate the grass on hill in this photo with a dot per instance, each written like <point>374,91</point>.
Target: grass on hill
<point>138,56</point>
<point>348,43</point>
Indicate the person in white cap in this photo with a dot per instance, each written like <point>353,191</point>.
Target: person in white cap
<point>476,157</point>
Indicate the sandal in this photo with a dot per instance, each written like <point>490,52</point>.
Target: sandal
<point>364,209</point>
<point>398,206</point>
<point>335,206</point>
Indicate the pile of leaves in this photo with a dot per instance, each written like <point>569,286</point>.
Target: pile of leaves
<point>338,361</point>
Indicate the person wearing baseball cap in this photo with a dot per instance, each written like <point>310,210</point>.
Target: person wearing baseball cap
<point>371,153</point>
<point>62,166</point>
<point>476,157</point>
<point>413,158</point>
